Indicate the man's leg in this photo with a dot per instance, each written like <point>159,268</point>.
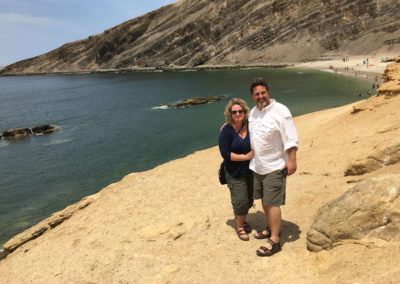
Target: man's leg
<point>274,215</point>
<point>267,216</point>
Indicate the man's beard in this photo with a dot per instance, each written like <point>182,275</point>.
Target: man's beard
<point>261,104</point>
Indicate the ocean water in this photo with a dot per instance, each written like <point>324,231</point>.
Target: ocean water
<point>111,126</point>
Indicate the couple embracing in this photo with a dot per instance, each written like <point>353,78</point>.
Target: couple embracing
<point>259,150</point>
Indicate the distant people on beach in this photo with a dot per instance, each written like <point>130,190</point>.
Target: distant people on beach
<point>274,140</point>
<point>234,146</point>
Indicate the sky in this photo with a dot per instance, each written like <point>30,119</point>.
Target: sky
<point>32,27</point>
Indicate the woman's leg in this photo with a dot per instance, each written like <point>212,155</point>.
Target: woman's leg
<point>240,202</point>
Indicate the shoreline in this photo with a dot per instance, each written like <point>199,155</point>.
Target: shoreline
<point>158,69</point>
<point>205,68</point>
<point>131,231</point>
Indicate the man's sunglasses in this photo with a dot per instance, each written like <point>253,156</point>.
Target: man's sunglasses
<point>233,112</point>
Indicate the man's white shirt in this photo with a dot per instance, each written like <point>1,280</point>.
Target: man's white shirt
<point>272,133</point>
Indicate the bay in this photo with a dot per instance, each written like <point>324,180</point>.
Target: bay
<point>110,128</point>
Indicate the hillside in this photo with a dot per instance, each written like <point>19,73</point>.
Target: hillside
<point>230,32</point>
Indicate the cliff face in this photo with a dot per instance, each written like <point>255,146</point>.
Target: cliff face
<point>202,32</point>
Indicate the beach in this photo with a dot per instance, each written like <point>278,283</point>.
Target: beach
<point>174,223</point>
<point>366,67</point>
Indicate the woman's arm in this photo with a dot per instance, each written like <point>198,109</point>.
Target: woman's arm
<point>242,157</point>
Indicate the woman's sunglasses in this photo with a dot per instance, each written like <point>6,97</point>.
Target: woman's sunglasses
<point>233,112</point>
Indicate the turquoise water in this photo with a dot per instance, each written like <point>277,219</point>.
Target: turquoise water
<point>109,128</point>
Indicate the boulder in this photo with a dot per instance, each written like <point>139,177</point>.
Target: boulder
<point>371,209</point>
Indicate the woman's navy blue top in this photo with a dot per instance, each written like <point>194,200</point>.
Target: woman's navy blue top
<point>229,141</point>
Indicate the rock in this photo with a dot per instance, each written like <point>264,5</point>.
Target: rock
<point>44,129</point>
<point>195,101</point>
<point>378,159</point>
<point>356,110</point>
<point>46,225</point>
<point>391,77</point>
<point>19,133</point>
<point>371,209</point>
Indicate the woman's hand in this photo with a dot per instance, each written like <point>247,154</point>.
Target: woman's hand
<point>250,155</point>
<point>242,157</point>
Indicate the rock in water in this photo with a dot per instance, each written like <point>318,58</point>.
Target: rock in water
<point>16,133</point>
<point>44,129</point>
<point>371,209</point>
<point>195,101</point>
<point>19,133</point>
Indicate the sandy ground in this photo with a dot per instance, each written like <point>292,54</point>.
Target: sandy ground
<point>174,223</point>
<point>353,66</point>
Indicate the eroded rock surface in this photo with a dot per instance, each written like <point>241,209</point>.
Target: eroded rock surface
<point>391,76</point>
<point>204,32</point>
<point>371,209</point>
<point>47,224</point>
<point>378,159</point>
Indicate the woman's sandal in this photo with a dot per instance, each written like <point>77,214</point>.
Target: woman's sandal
<point>242,234</point>
<point>275,247</point>
<point>264,234</point>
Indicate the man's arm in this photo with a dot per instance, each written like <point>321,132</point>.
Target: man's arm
<point>291,164</point>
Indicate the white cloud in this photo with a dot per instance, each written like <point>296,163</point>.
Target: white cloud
<point>16,19</point>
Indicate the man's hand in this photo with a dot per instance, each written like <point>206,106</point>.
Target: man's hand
<point>291,167</point>
<point>291,164</point>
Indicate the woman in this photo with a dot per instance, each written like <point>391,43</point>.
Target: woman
<point>234,145</point>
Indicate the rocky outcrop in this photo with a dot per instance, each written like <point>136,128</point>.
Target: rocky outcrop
<point>195,101</point>
<point>378,159</point>
<point>205,32</point>
<point>19,133</point>
<point>391,76</point>
<point>371,209</point>
<point>45,225</point>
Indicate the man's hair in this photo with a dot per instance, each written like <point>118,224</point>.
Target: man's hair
<point>258,82</point>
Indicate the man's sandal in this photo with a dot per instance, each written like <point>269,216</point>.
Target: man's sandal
<point>247,227</point>
<point>264,234</point>
<point>242,234</point>
<point>275,247</point>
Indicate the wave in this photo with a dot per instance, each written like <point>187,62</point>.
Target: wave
<point>160,107</point>
<point>57,142</point>
<point>3,143</point>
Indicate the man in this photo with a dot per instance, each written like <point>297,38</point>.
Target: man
<point>274,141</point>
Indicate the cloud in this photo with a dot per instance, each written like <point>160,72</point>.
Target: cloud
<point>16,19</point>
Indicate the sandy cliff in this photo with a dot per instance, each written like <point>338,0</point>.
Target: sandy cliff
<point>230,32</point>
<point>174,223</point>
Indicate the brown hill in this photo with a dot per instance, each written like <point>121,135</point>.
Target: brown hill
<point>205,32</point>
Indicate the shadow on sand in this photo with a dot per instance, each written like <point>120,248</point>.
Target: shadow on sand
<point>290,232</point>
